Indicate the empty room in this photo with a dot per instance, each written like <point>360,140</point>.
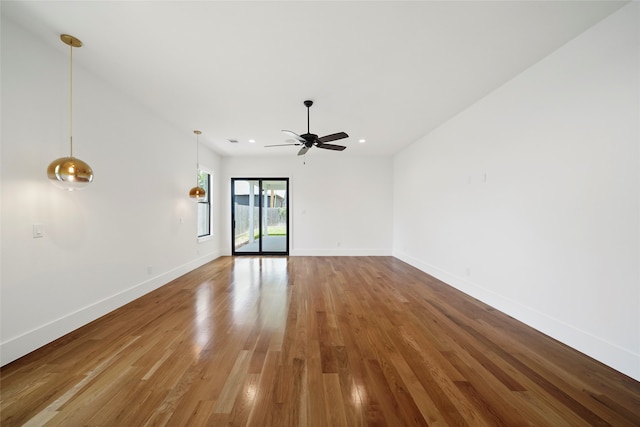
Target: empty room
<point>320,213</point>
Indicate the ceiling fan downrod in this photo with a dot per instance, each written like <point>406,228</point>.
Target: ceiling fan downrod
<point>308,104</point>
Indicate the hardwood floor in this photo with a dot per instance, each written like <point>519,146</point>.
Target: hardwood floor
<point>317,341</point>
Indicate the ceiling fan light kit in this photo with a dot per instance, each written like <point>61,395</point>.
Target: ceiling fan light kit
<point>308,140</point>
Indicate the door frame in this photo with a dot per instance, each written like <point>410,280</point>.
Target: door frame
<point>260,198</point>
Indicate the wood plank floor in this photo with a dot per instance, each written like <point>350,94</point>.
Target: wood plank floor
<point>311,341</point>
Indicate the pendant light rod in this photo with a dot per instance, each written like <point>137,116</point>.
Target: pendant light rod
<point>198,193</point>
<point>71,101</point>
<point>72,42</point>
<point>197,132</point>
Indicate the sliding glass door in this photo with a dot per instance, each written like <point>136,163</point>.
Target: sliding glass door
<point>260,216</point>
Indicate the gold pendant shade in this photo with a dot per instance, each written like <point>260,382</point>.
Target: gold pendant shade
<point>197,193</point>
<point>70,173</point>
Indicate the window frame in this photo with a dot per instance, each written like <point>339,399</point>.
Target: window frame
<point>206,202</point>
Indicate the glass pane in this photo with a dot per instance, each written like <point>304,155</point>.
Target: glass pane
<point>274,216</point>
<point>204,221</point>
<point>203,182</point>
<point>246,205</point>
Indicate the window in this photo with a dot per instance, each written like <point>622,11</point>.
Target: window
<point>204,206</point>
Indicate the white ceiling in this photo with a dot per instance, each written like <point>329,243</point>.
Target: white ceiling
<point>388,72</point>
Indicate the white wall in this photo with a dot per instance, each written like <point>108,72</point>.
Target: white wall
<point>110,243</point>
<point>340,205</point>
<point>529,199</point>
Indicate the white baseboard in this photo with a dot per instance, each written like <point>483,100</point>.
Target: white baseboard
<point>21,345</point>
<point>340,252</point>
<point>612,355</point>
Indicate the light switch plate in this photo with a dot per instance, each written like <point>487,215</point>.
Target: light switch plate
<point>38,230</point>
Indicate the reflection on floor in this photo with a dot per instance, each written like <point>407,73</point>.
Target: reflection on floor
<point>269,244</point>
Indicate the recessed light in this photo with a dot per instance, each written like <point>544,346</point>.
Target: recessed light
<point>251,141</point>
<point>362,141</point>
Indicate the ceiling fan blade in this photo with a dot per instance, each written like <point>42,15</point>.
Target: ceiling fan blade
<point>294,135</point>
<point>331,147</point>
<point>280,145</point>
<point>303,150</point>
<point>333,137</point>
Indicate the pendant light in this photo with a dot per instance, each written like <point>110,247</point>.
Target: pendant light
<point>70,173</point>
<point>197,193</point>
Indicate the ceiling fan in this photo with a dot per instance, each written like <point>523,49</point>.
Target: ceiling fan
<point>308,140</point>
